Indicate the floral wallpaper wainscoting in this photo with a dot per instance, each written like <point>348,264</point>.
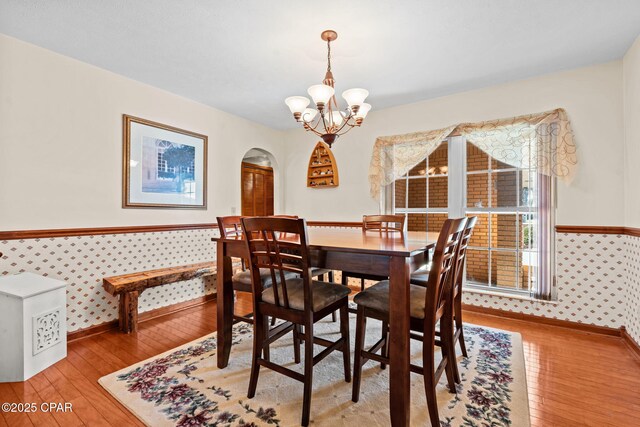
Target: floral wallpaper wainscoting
<point>632,278</point>
<point>590,283</point>
<point>82,262</point>
<point>598,275</point>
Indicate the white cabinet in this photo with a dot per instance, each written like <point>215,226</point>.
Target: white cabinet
<point>33,325</point>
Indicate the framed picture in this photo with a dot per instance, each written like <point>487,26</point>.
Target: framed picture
<point>163,166</point>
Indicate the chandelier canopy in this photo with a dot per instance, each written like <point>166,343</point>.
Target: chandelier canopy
<point>331,121</point>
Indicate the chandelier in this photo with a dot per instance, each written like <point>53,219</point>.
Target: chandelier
<point>327,120</point>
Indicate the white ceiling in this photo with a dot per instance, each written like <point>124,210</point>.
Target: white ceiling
<point>246,56</point>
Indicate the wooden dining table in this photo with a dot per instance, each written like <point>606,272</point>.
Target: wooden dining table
<point>391,254</point>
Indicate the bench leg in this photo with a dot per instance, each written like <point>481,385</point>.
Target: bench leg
<point>129,312</point>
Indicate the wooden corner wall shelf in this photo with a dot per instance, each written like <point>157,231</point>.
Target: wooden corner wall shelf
<point>323,169</point>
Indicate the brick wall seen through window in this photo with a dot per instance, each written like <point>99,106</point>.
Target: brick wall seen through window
<point>502,250</point>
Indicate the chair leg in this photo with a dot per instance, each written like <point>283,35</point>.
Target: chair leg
<point>458,319</point>
<point>453,360</point>
<point>258,339</point>
<point>265,327</point>
<point>385,347</point>
<point>346,349</point>
<point>273,321</point>
<point>322,278</point>
<point>345,282</point>
<point>448,351</point>
<point>430,387</point>
<point>362,284</point>
<point>361,325</point>
<point>296,343</point>
<point>233,306</point>
<point>308,373</point>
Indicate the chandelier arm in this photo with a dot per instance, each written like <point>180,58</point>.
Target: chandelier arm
<point>313,131</point>
<point>324,122</point>
<point>346,121</point>
<point>310,126</point>
<point>335,103</point>
<point>350,127</point>
<point>310,122</point>
<point>319,123</point>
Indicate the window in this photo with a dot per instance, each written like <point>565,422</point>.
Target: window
<point>458,179</point>
<point>162,171</point>
<point>422,194</point>
<point>502,251</point>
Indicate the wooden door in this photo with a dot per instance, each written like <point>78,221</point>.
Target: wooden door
<point>257,190</point>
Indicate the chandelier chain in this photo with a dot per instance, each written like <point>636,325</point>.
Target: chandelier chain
<point>328,55</point>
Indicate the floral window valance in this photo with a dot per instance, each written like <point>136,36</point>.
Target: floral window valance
<point>543,141</point>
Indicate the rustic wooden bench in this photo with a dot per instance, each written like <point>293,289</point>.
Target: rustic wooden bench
<point>129,287</point>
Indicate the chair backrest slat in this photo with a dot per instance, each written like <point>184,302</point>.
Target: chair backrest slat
<point>273,255</point>
<point>384,223</point>
<point>285,216</point>
<point>278,244</point>
<point>461,257</point>
<point>230,226</point>
<point>438,286</point>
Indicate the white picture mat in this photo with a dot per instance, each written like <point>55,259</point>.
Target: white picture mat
<point>136,195</point>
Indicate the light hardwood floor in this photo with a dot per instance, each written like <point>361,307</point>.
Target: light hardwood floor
<point>574,378</point>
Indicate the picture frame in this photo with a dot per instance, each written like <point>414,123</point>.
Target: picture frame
<point>163,166</point>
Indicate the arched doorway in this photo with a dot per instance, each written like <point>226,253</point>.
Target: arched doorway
<point>257,183</point>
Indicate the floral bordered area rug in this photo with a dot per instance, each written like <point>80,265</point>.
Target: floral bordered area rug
<point>183,387</point>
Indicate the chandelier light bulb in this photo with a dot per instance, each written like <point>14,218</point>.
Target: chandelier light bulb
<point>337,118</point>
<point>297,104</point>
<point>321,94</point>
<point>309,114</point>
<point>363,111</point>
<point>355,97</point>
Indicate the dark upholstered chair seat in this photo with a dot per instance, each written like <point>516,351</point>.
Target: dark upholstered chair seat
<point>242,279</point>
<point>376,298</point>
<point>324,294</point>
<point>420,278</point>
<point>317,271</point>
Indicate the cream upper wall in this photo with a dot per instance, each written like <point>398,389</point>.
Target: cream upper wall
<point>592,97</point>
<point>631,72</point>
<point>61,143</point>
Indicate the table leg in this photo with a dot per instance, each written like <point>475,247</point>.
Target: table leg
<point>224,299</point>
<point>399,381</point>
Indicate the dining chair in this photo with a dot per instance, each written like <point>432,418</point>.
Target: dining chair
<point>429,306</point>
<point>231,227</point>
<point>280,245</point>
<point>456,289</point>
<point>319,272</point>
<point>384,223</point>
<point>381,224</point>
